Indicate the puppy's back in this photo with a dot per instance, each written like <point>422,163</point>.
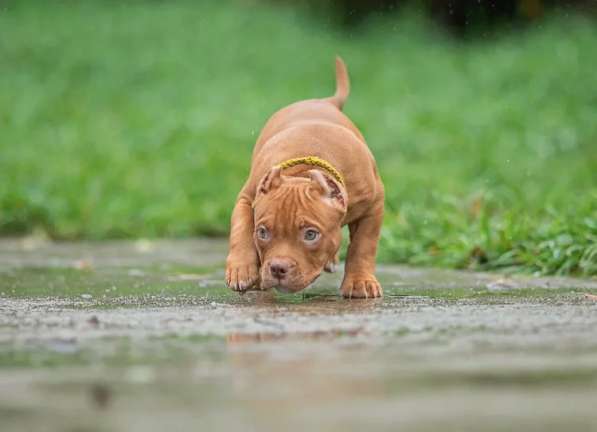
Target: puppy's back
<point>314,110</point>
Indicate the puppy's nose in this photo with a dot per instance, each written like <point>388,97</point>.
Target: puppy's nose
<point>279,269</point>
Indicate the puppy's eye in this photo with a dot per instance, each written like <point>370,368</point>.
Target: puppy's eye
<point>262,233</point>
<point>311,235</point>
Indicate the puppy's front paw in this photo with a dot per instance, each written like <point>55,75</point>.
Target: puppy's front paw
<point>241,276</point>
<point>361,286</point>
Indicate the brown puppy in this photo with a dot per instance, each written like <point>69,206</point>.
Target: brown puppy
<point>311,173</point>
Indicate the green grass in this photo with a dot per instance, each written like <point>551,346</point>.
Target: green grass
<point>138,119</point>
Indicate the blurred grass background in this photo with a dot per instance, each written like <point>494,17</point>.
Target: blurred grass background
<point>137,119</point>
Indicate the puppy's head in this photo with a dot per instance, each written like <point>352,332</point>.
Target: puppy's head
<point>297,227</point>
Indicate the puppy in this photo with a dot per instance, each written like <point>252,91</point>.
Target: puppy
<point>311,173</point>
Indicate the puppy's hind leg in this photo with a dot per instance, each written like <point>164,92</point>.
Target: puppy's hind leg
<point>242,264</point>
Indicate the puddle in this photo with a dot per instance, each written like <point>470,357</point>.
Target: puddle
<point>142,336</point>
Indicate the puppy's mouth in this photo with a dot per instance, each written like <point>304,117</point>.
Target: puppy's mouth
<point>284,289</point>
<point>289,288</point>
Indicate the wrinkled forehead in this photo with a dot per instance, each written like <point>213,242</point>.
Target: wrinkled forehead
<point>291,206</point>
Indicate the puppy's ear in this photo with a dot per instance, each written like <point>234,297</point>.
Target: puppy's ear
<point>270,181</point>
<point>331,190</point>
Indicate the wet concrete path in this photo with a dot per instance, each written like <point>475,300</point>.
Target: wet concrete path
<point>143,336</point>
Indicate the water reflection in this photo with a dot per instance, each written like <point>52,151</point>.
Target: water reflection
<point>299,378</point>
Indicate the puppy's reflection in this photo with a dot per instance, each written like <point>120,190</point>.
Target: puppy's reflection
<point>297,378</point>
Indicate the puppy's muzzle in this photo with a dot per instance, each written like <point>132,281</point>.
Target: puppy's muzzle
<point>279,268</point>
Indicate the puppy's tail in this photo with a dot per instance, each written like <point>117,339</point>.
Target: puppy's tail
<point>342,84</point>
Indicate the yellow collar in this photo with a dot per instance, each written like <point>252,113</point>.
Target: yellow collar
<point>314,161</point>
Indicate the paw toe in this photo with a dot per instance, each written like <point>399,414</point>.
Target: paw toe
<point>241,278</point>
<point>361,288</point>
